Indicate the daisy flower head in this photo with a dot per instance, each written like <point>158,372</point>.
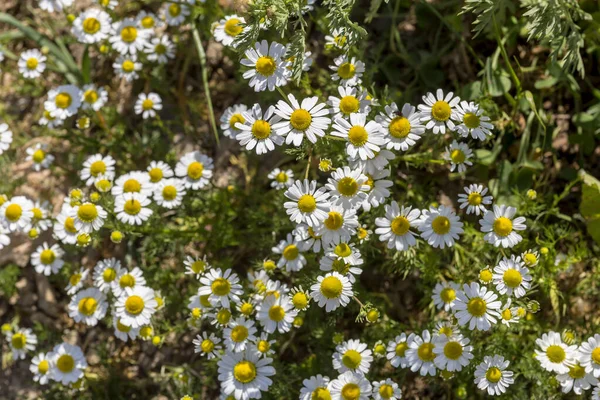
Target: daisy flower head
<point>262,346</point>
<point>300,298</point>
<point>76,280</point>
<point>127,66</point>
<point>420,354</point>
<point>281,179</point>
<point>238,334</point>
<point>95,166</point>
<point>196,169</point>
<point>276,313</point>
<point>386,390</point>
<point>337,39</point>
<point>509,315</point>
<point>196,266</point>
<point>106,274</point>
<point>169,193</point>
<point>437,111</point>
<point>160,49</point>
<point>308,118</point>
<point>339,226</point>
<point>88,306</point>
<point>136,306</point>
<point>445,328</point>
<point>395,227</point>
<point>92,26</point>
<point>530,258</point>
<point>175,13</point>
<point>41,159</point>
<point>231,116</point>
<point>245,375</point>
<point>350,385</point>
<point>268,67</point>
<point>132,208</point>
<point>577,379</point>
<point>444,295</point>
<point>291,257</point>
<point>6,137</point>
<point>308,204</point>
<point>476,306</point>
<point>47,259</point>
<point>351,100</point>
<point>332,291</point>
<point>396,350</point>
<point>352,355</point>
<point>474,199</point>
<point>93,97</point>
<point>21,341</point>
<point>221,287</point>
<point>64,227</point>
<point>459,155</point>
<point>48,120</point>
<point>228,29</point>
<point>40,366</point>
<point>127,37</point>
<point>104,183</point>
<point>500,227</point>
<point>88,217</point>
<point>258,130</point>
<point>554,354</point>
<point>452,353</point>
<point>207,345</point>
<point>148,20</point>
<point>124,332</point>
<point>589,355</point>
<point>110,4</point>
<point>491,375</point>
<point>364,139</point>
<point>54,5</point>
<point>471,121</point>
<point>511,277</point>
<point>306,238</point>
<point>440,226</point>
<point>347,70</point>
<point>63,101</point>
<point>67,363</point>
<point>32,63</point>
<point>315,387</point>
<point>403,128</point>
<point>125,279</point>
<point>158,170</point>
<point>343,258</point>
<point>348,188</point>
<point>148,105</point>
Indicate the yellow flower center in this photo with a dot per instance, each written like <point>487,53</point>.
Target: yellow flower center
<point>174,10</point>
<point>458,156</point>
<point>220,286</point>
<point>63,100</point>
<point>512,278</point>
<point>342,250</point>
<point>441,225</point>
<point>577,372</point>
<point>90,96</point>
<point>18,341</point>
<point>340,40</point>
<point>169,193</point>
<point>334,221</point>
<point>300,119</point>
<point>349,105</point>
<point>47,256</point>
<point>32,63</point>
<point>87,212</point>
<point>362,233</point>
<point>261,129</point>
<point>485,275</point>
<point>399,127</point>
<point>147,104</point>
<point>156,175</point>
<point>235,118</point>
<point>91,25</point>
<point>129,34</point>
<point>331,287</point>
<point>555,353</point>
<point>477,307</point>
<point>503,226</point>
<point>223,316</point>
<point>446,330</point>
<point>246,308</point>
<point>400,225</point>
<point>471,120</point>
<point>13,212</point>
<point>346,70</point>
<point>148,22</point>
<point>300,301</point>
<point>83,239</point>
<point>441,111</point>
<point>195,170</point>
<point>493,375</point>
<point>276,313</point>
<point>160,49</point>
<point>321,393</point>
<point>233,27</point>
<point>110,274</point>
<point>453,350</point>
<point>198,267</point>
<point>290,252</point>
<point>70,225</point>
<point>347,186</point>
<point>207,345</point>
<point>474,199</point>
<point>448,295</point>
<point>425,352</point>
<point>87,306</point>
<point>37,213</point>
<point>239,333</point>
<point>530,259</point>
<point>281,177</point>
<point>386,391</point>
<point>358,135</point>
<point>43,367</point>
<point>127,280</point>
<point>507,314</point>
<point>128,66</point>
<point>307,203</point>
<point>266,66</point>
<point>244,371</point>
<point>134,305</point>
<point>75,279</point>
<point>97,168</point>
<point>351,359</point>
<point>132,207</point>
<point>263,346</point>
<point>65,363</point>
<point>351,391</point>
<point>38,156</point>
<point>401,349</point>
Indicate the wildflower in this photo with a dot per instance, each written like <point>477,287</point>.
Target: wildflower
<point>92,26</point>
<point>386,390</point>
<point>93,98</point>
<point>76,280</point>
<point>95,166</point>
<point>589,355</point>
<point>440,226</point>
<point>281,179</point>
<point>437,111</point>
<point>444,295</point>
<point>245,374</point>
<point>475,199</point>
<point>471,121</point>
<point>350,101</point>
<point>68,363</point>
<point>476,306</point>
<point>148,20</point>
<point>222,287</point>
<point>512,277</point>
<point>238,333</point>
<point>491,375</point>
<point>452,353</point>
<point>148,104</point>
<point>530,258</point>
<point>207,345</point>
<point>396,350</point>
<point>339,226</point>
<point>40,366</point>
<point>309,205</point>
<point>88,217</point>
<point>169,193</point>
<point>125,279</point>
<point>347,70</point>
<point>32,63</point>
<point>291,258</point>
<point>348,188</point>
<point>175,13</point>
<point>228,29</point>
<point>364,139</point>
<point>127,38</point>
<point>230,117</point>
<point>268,67</point>
<point>160,49</point>
<point>554,355</point>
<point>337,39</point>
<point>136,306</point>
<point>16,214</point>
<point>88,306</point>
<point>315,387</point>
<point>21,341</point>
<point>402,128</point>
<point>531,194</point>
<point>350,385</point>
<point>459,155</point>
<point>106,273</point>
<point>395,226</point>
<point>195,169</point>
<point>127,66</point>
<point>420,354</point>
<point>352,356</point>
<point>300,120</point>
<point>577,379</point>
<point>300,298</point>
<point>47,259</point>
<point>258,130</point>
<point>331,291</point>
<point>500,226</point>
<point>276,314</point>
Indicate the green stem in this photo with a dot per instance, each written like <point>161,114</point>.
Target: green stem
<point>282,93</point>
<point>511,71</point>
<point>308,163</point>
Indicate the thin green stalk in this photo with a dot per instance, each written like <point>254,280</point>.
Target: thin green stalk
<point>511,71</point>
<point>202,57</point>
<point>308,163</point>
<point>282,93</point>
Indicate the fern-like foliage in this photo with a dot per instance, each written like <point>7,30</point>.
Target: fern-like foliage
<point>486,11</point>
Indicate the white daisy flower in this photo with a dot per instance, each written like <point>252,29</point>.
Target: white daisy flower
<point>262,346</point>
<point>299,120</point>
<point>352,355</point>
<point>127,66</point>
<point>127,37</point>
<point>110,4</point>
<point>491,375</point>
<point>148,20</point>
<point>148,104</point>
<point>136,306</point>
<point>471,121</point>
<point>93,97</point>
<point>281,179</point>
<point>396,350</point>
<point>95,166</point>
<point>452,353</point>
<point>132,208</point>
<point>64,227</point>
<point>47,259</point>
<point>41,159</point>
<point>268,67</point>
<point>63,101</point>
<point>6,137</point>
<point>276,314</point>
<point>350,385</point>
<point>337,39</point>
<point>196,266</point>
<point>169,193</point>
<point>555,355</point>
<point>308,204</point>
<point>459,155</point>
<point>258,130</point>
<point>530,257</point>
<point>76,280</point>
<point>437,111</point>
<point>477,306</point>
<point>22,340</point>
<point>88,306</point>
<point>67,363</point>
<point>228,28</point>
<point>307,59</point>
<point>440,226</point>
<point>352,100</point>
<point>444,295</point>
<point>245,375</point>
<point>41,216</point>
<point>221,318</point>
<point>40,366</point>
<point>339,226</point>
<point>88,217</point>
<point>291,257</point>
<point>195,169</point>
<point>92,26</point>
<point>106,274</point>
<point>509,315</point>
<point>395,226</point>
<point>511,277</point>
<point>231,116</point>
<point>207,345</point>
<point>500,226</point>
<point>175,13</point>
<point>124,332</point>
<point>347,70</point>
<point>158,170</point>
<point>386,390</point>
<point>32,63</point>
<point>222,287</point>
<point>364,139</point>
<point>475,199</point>
<point>125,279</point>
<point>420,354</point>
<point>49,121</point>
<point>402,128</point>
<point>315,387</point>
<point>54,5</point>
<point>306,238</point>
<point>347,187</point>
<point>332,291</point>
<point>160,49</point>
<point>344,259</point>
<point>272,288</point>
<point>238,334</point>
<point>589,355</point>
